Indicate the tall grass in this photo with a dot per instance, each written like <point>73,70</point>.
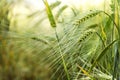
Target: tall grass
<point>87,46</point>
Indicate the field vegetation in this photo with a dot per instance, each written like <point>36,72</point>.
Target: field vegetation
<point>50,44</point>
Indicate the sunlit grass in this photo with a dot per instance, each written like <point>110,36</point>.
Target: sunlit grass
<point>59,41</point>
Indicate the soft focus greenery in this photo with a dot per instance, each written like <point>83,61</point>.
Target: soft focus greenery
<point>50,44</point>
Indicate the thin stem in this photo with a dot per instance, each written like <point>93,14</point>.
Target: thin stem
<point>63,61</point>
<point>100,38</point>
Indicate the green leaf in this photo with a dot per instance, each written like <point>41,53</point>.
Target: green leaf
<point>116,65</point>
<point>102,54</point>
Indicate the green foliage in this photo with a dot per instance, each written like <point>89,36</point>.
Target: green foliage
<point>102,53</point>
<point>85,48</point>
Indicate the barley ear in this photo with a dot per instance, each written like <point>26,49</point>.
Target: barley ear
<point>88,16</point>
<point>50,14</point>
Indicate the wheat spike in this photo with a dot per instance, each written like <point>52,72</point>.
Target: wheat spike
<point>86,34</point>
<point>88,16</point>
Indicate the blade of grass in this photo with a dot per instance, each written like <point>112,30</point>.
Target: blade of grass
<point>116,53</point>
<point>116,63</point>
<point>116,26</point>
<point>102,54</point>
<point>100,38</point>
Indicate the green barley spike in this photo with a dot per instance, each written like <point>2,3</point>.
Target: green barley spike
<point>86,34</point>
<point>88,16</point>
<point>50,14</point>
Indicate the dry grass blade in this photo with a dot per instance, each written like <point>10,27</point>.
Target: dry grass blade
<point>84,71</point>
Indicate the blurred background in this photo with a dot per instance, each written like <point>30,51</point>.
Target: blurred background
<point>24,8</point>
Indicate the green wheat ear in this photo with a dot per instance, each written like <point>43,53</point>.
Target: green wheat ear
<point>88,16</point>
<point>50,14</point>
<point>85,35</point>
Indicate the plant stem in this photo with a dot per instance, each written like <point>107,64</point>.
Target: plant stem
<point>62,58</point>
